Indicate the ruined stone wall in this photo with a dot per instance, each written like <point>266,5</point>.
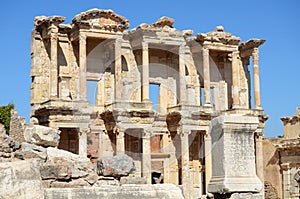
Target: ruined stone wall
<point>272,171</point>
<point>40,57</point>
<point>17,126</point>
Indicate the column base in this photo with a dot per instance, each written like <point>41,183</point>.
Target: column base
<point>258,108</point>
<point>236,106</point>
<point>208,105</point>
<point>244,195</point>
<point>234,184</point>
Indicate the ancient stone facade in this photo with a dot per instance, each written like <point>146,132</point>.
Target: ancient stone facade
<point>282,159</point>
<point>92,80</point>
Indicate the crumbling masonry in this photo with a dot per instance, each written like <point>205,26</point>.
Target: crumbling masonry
<point>92,79</point>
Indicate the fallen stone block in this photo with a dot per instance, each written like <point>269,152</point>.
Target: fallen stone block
<point>42,136</point>
<point>21,179</point>
<point>29,151</point>
<point>117,166</point>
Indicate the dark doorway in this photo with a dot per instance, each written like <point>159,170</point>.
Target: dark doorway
<point>69,140</point>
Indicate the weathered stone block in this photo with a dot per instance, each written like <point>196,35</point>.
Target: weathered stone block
<point>64,165</point>
<point>133,180</point>
<point>117,166</point>
<point>58,168</point>
<point>7,145</point>
<point>42,136</point>
<point>233,155</point>
<point>29,151</point>
<point>166,191</point>
<point>21,179</point>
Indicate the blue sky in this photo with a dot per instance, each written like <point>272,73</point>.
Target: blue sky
<point>276,21</point>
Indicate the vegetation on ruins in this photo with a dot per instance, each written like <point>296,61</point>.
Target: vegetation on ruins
<point>5,115</point>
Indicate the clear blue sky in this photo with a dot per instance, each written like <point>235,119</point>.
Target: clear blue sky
<point>276,21</point>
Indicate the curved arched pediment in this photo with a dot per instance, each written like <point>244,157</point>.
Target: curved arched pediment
<point>102,18</point>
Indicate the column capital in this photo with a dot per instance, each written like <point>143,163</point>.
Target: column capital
<point>235,53</point>
<point>82,38</point>
<point>205,50</point>
<point>182,49</point>
<point>53,36</point>
<point>255,51</point>
<point>145,45</point>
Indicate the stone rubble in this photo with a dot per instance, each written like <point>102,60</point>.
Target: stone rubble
<point>117,166</point>
<point>55,168</point>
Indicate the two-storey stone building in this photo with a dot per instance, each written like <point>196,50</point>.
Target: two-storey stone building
<point>92,80</point>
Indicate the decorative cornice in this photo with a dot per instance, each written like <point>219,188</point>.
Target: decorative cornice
<point>41,20</point>
<point>218,36</point>
<point>251,44</point>
<point>164,24</point>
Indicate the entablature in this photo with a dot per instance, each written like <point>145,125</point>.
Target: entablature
<point>246,48</point>
<point>218,39</point>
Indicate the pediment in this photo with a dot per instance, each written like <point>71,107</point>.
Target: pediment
<point>102,18</point>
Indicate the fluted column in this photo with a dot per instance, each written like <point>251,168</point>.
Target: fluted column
<point>256,78</point>
<point>118,70</point>
<point>235,88</point>
<point>53,65</point>
<point>145,72</point>
<point>82,66</point>
<point>206,76</point>
<point>182,81</point>
<point>146,157</point>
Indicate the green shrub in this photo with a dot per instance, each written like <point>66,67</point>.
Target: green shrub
<point>5,115</point>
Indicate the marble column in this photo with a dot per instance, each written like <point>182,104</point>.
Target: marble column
<point>82,143</point>
<point>145,72</point>
<point>82,66</point>
<point>235,80</point>
<point>182,81</point>
<point>208,162</point>
<point>146,157</point>
<point>256,78</point>
<point>206,76</point>
<point>120,148</point>
<point>259,160</point>
<point>118,70</point>
<point>185,175</point>
<point>53,65</point>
